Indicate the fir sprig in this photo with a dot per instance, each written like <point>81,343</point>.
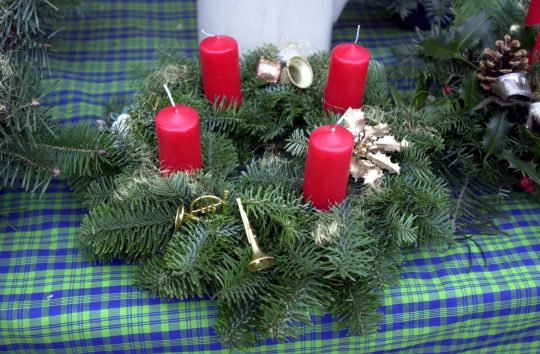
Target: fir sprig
<point>33,149</point>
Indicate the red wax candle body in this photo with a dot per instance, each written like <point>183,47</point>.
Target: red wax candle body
<point>533,15</point>
<point>347,75</point>
<point>327,166</point>
<point>220,69</point>
<point>179,139</point>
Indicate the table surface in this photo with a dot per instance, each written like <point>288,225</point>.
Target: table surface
<point>51,300</point>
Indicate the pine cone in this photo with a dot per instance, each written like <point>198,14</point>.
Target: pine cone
<point>506,59</point>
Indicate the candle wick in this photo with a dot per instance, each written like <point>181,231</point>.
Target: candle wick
<point>357,34</point>
<point>339,122</point>
<point>207,34</point>
<point>170,96</point>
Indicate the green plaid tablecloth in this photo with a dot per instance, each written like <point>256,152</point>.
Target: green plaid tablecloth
<point>51,300</point>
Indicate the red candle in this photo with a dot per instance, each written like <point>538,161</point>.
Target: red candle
<point>347,75</point>
<point>327,166</point>
<point>179,139</point>
<point>220,68</point>
<point>533,16</point>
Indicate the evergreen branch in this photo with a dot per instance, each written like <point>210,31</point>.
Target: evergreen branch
<point>235,324</point>
<point>67,149</point>
<point>240,286</point>
<point>459,201</point>
<point>156,277</point>
<point>150,186</point>
<point>219,154</point>
<point>130,230</point>
<point>402,228</point>
<point>194,252</point>
<point>349,255</point>
<point>300,259</point>
<point>189,260</point>
<point>93,191</point>
<point>356,305</point>
<point>377,89</point>
<point>275,213</point>
<point>287,305</point>
<point>271,170</point>
<point>31,174</point>
<point>297,143</point>
<point>28,161</point>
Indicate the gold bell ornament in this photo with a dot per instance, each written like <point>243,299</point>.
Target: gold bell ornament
<point>292,67</point>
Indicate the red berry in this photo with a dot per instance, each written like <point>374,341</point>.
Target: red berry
<point>448,89</point>
<point>526,184</point>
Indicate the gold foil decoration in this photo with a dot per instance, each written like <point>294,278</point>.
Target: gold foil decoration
<point>372,143</point>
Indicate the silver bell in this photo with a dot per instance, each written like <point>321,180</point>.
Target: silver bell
<point>513,85</point>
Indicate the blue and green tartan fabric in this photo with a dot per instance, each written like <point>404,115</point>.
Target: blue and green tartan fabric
<point>51,300</point>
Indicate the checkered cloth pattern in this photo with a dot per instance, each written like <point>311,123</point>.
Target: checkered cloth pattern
<point>52,301</point>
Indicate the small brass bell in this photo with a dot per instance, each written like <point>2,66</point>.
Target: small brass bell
<point>291,68</point>
<point>299,72</point>
<point>297,69</point>
<point>259,260</point>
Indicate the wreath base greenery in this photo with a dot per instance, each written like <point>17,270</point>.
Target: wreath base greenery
<point>338,261</point>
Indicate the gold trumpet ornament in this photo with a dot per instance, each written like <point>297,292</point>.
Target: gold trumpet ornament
<point>203,205</point>
<point>259,260</point>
